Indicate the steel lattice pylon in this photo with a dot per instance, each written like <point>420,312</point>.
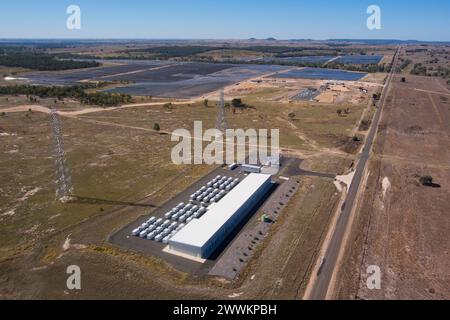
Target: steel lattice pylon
<point>64,187</point>
<point>221,116</point>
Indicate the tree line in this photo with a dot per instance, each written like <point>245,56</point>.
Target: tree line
<point>40,61</point>
<point>78,92</point>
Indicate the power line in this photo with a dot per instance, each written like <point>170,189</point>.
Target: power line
<point>64,187</point>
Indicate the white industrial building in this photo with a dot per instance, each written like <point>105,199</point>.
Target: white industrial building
<point>201,237</point>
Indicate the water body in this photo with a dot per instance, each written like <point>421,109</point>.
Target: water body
<point>322,74</point>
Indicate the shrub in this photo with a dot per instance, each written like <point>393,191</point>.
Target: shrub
<point>426,180</point>
<point>237,103</point>
<point>168,106</point>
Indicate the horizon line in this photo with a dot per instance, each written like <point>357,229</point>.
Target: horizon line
<point>269,39</point>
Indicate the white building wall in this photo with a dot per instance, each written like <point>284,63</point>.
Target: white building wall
<point>205,249</point>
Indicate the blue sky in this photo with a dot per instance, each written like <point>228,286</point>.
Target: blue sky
<point>231,19</point>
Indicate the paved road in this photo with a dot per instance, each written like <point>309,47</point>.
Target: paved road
<point>291,168</point>
<point>321,285</point>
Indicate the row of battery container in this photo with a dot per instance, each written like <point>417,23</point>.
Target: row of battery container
<point>157,230</point>
<point>215,190</point>
<point>185,212</point>
<point>162,231</point>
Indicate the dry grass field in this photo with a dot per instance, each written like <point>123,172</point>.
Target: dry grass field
<point>116,156</point>
<point>402,225</point>
<point>123,166</point>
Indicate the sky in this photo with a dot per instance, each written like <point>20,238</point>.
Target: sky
<point>230,19</point>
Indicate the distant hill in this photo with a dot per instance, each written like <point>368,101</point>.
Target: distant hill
<point>384,41</point>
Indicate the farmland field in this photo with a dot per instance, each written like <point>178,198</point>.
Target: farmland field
<point>401,224</point>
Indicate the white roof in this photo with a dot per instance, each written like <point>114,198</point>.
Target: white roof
<point>199,231</point>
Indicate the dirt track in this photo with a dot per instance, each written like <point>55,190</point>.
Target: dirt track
<point>39,108</point>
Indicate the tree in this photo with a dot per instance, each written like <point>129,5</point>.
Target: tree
<point>37,60</point>
<point>403,79</point>
<point>206,103</point>
<point>237,103</point>
<point>426,180</point>
<point>3,114</point>
<point>75,92</point>
<point>168,106</point>
<point>156,127</point>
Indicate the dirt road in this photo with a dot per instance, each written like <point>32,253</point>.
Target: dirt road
<point>39,108</point>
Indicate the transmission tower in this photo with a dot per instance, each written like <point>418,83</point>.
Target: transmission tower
<point>221,116</point>
<point>64,187</point>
